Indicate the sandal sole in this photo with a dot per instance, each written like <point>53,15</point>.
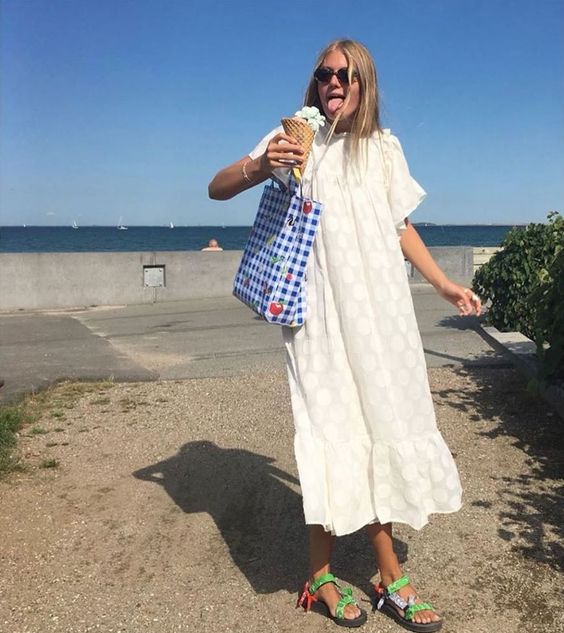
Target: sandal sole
<point>346,622</point>
<point>417,627</point>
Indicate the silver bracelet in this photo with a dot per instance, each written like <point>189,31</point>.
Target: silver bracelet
<point>244,171</point>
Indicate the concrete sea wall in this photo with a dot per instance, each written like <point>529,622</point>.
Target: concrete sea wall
<point>35,281</point>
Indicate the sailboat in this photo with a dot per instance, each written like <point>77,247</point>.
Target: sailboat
<point>74,224</point>
<point>171,225</point>
<point>121,226</point>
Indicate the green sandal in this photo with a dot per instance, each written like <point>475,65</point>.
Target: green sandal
<point>307,597</point>
<point>391,603</point>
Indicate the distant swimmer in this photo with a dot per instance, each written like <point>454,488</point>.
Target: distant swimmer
<point>212,246</point>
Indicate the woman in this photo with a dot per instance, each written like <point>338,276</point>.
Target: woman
<point>367,446</point>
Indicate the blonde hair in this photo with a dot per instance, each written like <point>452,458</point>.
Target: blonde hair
<point>360,65</point>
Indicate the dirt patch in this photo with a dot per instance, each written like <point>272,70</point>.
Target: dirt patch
<point>174,506</point>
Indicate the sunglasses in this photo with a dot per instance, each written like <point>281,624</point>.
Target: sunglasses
<point>324,75</point>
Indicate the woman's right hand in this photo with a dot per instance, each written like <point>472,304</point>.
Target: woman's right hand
<point>281,151</point>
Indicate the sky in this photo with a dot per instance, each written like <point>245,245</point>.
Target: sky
<point>126,109</point>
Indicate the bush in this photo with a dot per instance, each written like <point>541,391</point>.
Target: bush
<point>524,285</point>
<point>548,297</point>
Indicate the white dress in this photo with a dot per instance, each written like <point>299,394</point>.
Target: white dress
<point>367,445</point>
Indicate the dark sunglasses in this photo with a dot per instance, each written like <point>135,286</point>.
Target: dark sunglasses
<point>324,75</point>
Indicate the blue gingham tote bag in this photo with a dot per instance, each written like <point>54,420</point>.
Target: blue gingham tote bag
<point>271,275</point>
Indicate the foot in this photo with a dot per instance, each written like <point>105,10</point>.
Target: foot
<point>420,617</point>
<point>328,594</point>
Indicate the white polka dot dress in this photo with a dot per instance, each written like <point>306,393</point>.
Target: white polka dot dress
<point>367,445</point>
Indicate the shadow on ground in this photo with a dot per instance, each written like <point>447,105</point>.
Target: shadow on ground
<point>468,357</point>
<point>533,521</point>
<point>456,322</point>
<point>259,516</point>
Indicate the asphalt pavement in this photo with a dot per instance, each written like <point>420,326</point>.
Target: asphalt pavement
<point>188,339</point>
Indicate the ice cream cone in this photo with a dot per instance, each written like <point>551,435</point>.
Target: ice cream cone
<point>302,132</point>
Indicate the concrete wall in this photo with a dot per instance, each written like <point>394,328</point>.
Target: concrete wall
<point>32,281</point>
<point>59,280</point>
<point>483,254</point>
<point>456,261</point>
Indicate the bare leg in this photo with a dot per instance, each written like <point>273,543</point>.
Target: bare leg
<point>390,570</point>
<point>320,549</point>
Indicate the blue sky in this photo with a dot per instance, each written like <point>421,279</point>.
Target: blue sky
<point>127,108</point>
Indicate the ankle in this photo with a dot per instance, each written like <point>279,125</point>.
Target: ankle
<point>388,576</point>
<point>317,574</point>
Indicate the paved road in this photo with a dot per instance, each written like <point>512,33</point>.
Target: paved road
<point>187,339</point>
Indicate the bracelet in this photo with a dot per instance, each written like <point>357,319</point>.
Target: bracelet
<point>244,172</point>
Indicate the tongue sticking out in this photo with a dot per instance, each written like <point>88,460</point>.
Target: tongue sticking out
<point>334,104</point>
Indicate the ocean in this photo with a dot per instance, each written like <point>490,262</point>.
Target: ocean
<point>40,239</point>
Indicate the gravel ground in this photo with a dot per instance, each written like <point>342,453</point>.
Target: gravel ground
<point>175,507</point>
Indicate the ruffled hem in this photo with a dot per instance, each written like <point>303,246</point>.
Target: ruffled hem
<point>393,519</point>
<point>404,482</point>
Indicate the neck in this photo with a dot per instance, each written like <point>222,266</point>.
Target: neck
<point>344,125</point>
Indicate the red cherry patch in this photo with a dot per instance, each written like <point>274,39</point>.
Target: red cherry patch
<point>276,308</point>
<point>307,207</point>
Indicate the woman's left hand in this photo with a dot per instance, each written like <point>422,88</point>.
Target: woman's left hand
<point>464,299</point>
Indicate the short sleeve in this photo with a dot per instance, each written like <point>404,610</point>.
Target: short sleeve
<point>404,192</point>
<point>263,144</point>
<point>280,174</point>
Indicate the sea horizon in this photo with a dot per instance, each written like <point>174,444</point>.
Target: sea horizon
<point>104,238</point>
<point>221,226</point>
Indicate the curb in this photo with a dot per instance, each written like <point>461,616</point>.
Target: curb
<point>522,351</point>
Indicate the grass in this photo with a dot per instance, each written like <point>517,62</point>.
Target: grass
<point>38,430</point>
<point>12,419</point>
<point>46,404</point>
<point>50,462</point>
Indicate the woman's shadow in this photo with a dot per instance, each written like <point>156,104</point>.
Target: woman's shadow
<point>259,516</point>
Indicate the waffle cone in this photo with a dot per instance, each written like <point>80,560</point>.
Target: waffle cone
<point>300,130</point>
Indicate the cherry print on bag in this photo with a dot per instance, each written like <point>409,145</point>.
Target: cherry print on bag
<point>276,308</point>
<point>281,241</point>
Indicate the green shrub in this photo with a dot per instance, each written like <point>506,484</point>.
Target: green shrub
<point>524,285</point>
<point>548,297</point>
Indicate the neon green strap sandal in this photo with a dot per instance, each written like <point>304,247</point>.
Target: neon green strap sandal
<point>392,604</point>
<point>307,598</point>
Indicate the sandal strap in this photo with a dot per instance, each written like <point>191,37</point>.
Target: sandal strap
<point>346,599</point>
<point>412,609</point>
<point>346,593</point>
<point>397,584</point>
<point>322,580</point>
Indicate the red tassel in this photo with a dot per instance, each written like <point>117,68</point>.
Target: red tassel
<point>307,598</point>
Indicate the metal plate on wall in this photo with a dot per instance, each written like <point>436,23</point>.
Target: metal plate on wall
<point>153,276</point>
